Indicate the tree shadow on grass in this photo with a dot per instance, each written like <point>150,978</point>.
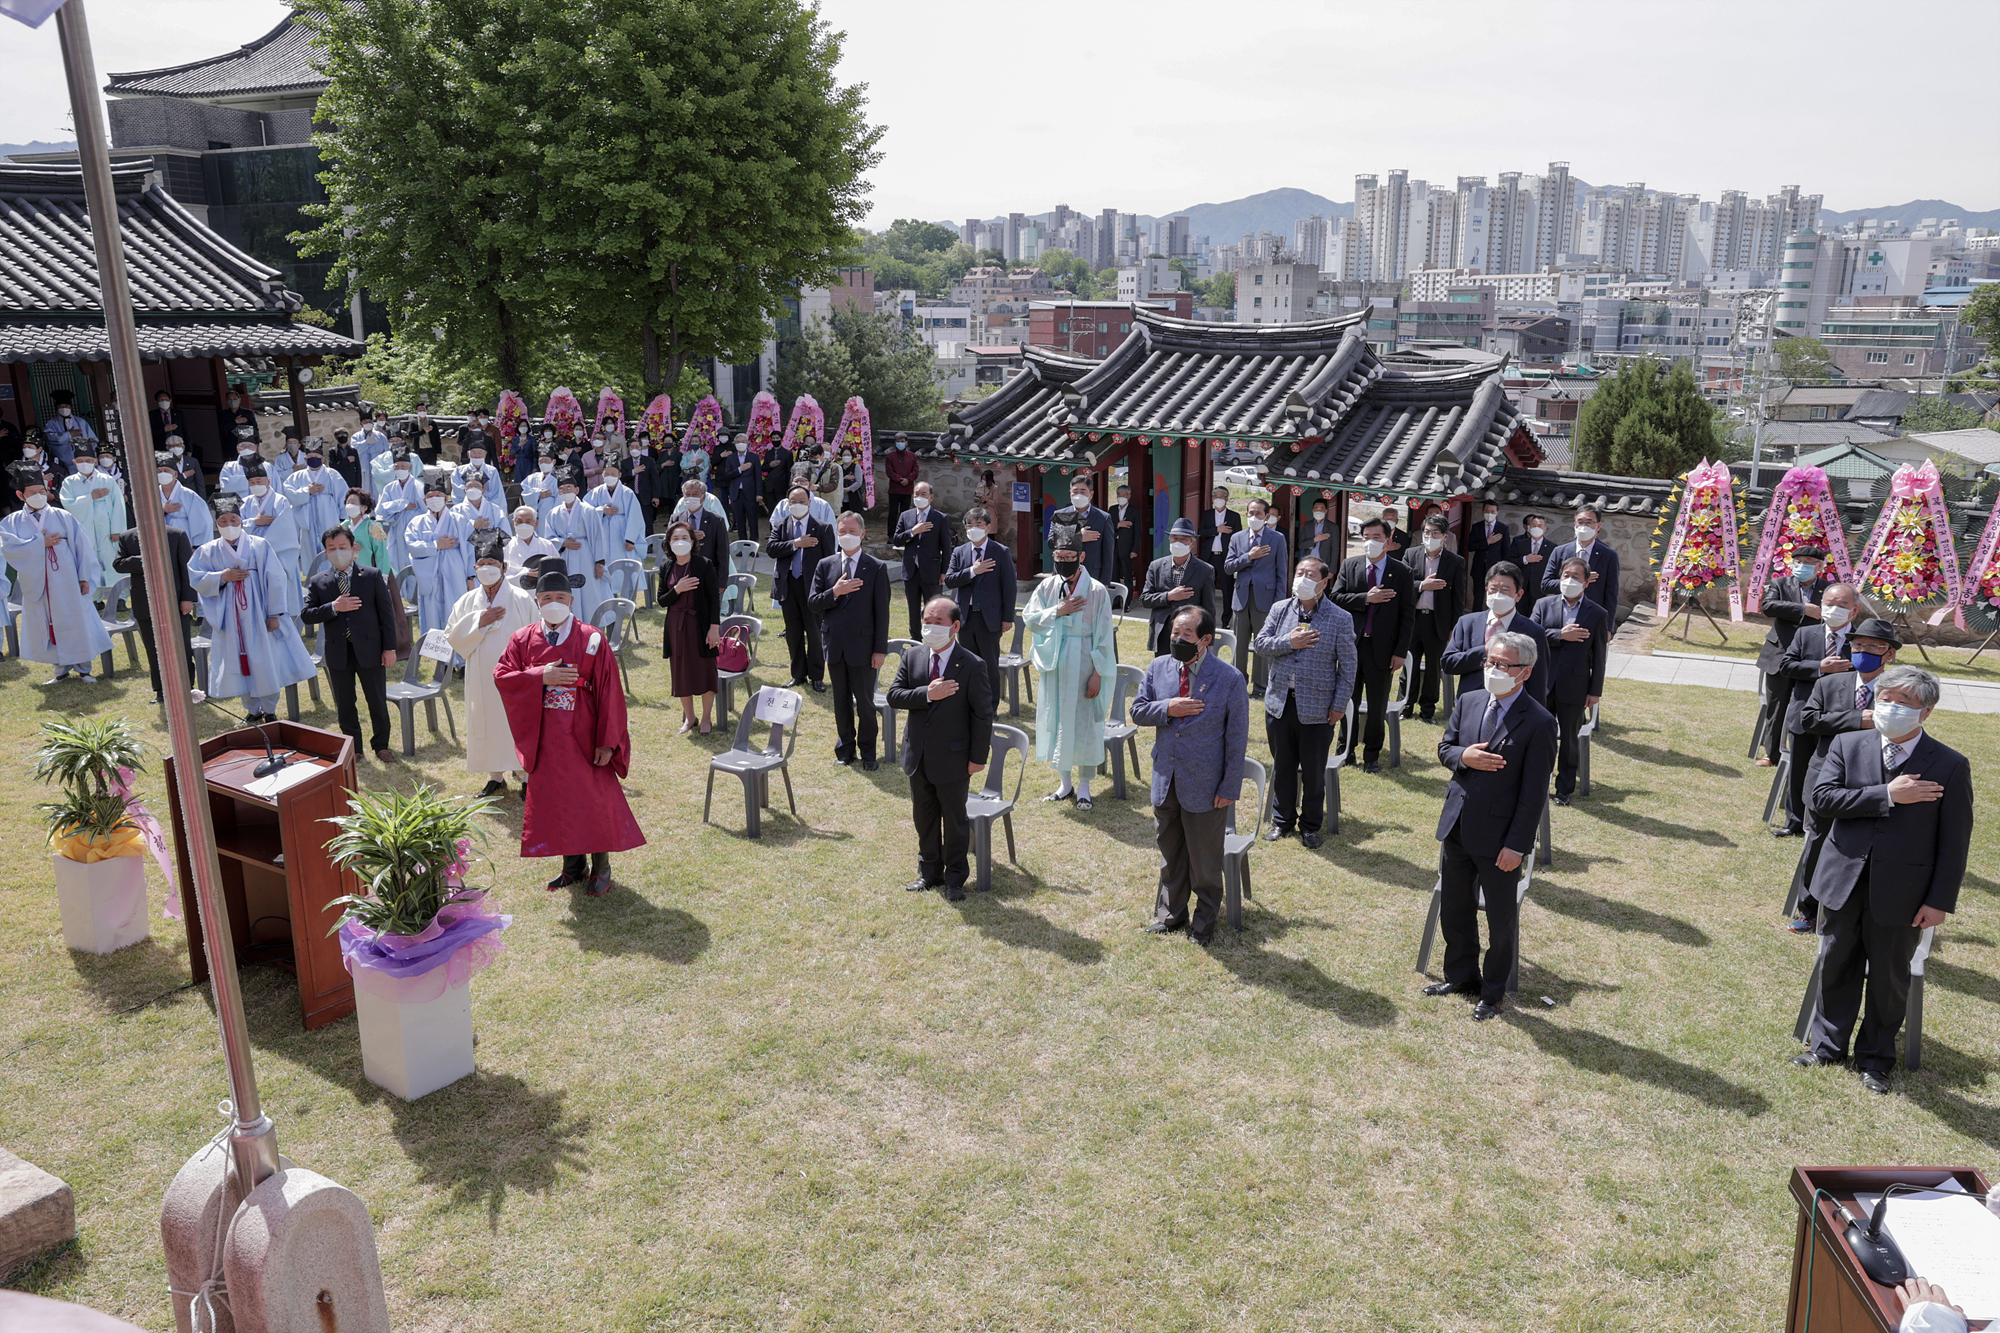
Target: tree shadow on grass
<point>1619,916</point>
<point>1983,885</point>
<point>1604,805</point>
<point>1296,979</point>
<point>1600,1054</point>
<point>624,921</point>
<point>1537,981</point>
<point>133,977</point>
<point>998,920</point>
<point>1933,1087</point>
<point>1964,980</point>
<point>486,1135</point>
<point>1664,758</point>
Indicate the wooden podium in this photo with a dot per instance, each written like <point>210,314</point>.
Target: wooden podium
<point>1843,1299</point>
<point>277,878</point>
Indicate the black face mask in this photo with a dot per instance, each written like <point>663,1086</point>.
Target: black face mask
<point>1186,650</point>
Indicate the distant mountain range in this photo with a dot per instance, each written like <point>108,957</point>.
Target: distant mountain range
<point>1274,211</point>
<point>9,149</point>
<point>1912,213</point>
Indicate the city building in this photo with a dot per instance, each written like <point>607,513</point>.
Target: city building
<point>1282,291</point>
<point>1531,339</point>
<point>1146,278</point>
<point>1465,317</point>
<point>1094,328</point>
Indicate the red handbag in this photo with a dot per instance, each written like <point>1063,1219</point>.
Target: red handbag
<point>733,653</point>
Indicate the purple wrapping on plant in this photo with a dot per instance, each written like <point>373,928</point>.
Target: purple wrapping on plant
<point>415,969</point>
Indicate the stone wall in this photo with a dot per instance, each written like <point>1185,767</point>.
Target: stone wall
<point>1630,535</point>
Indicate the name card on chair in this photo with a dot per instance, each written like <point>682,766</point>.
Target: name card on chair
<point>435,646</point>
<point>776,705</point>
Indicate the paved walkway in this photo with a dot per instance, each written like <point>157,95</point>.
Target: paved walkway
<point>1736,673</point>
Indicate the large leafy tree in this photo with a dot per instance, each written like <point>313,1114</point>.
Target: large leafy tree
<point>874,355</point>
<point>1804,360</point>
<point>709,167</point>
<point>1640,423</point>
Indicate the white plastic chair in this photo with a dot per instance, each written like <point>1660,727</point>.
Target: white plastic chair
<point>1236,846</point>
<point>1521,887</point>
<point>992,802</point>
<point>725,681</point>
<point>1913,1016</point>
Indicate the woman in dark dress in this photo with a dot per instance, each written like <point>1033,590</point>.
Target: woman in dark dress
<point>692,594</point>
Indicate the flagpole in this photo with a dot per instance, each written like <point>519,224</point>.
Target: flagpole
<point>253,1138</point>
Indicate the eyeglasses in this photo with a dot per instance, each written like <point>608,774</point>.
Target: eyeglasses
<point>1509,667</point>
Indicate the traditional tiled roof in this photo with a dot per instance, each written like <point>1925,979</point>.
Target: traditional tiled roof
<point>1552,489</point>
<point>195,294</point>
<point>1312,394</point>
<point>281,61</point>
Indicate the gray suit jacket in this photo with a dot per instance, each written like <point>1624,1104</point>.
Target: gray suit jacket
<point>1323,675</point>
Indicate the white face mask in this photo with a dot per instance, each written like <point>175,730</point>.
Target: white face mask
<point>1256,523</point>
<point>1894,720</point>
<point>402,474</point>
<point>1490,517</point>
<point>175,451</point>
<point>85,466</point>
<point>1305,587</point>
<point>1373,548</point>
<point>1319,516</point>
<point>1572,588</point>
<point>434,503</point>
<point>63,412</point>
<point>475,496</point>
<point>525,531</point>
<point>1433,544</point>
<point>260,488</point>
<point>936,637</point>
<point>1221,506</point>
<point>1536,530</point>
<point>546,468</point>
<point>682,547</point>
<point>555,613</point>
<point>850,541</point>
<point>490,574</point>
<point>354,511</point>
<point>1834,617</point>
<point>477,457</point>
<point>1079,501</point>
<point>1180,549</point>
<point>341,558</point>
<point>167,479</point>
<point>742,448</point>
<point>922,502</point>
<point>569,499</point>
<point>38,501</point>
<point>1585,534</point>
<point>796,511</point>
<point>229,533</point>
<point>1501,604</point>
<point>1499,683</point>
<point>244,456</point>
<point>974,536</point>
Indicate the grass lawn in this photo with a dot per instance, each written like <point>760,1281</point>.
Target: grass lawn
<point>1747,639</point>
<point>759,1086</point>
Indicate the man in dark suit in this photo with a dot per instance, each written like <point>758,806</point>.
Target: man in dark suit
<point>850,593</point>
<point>1500,745</point>
<point>238,414</point>
<point>922,533</point>
<point>775,471</point>
<point>359,642</point>
<point>166,419</point>
<point>798,543</point>
<point>1602,585</point>
<point>945,741</point>
<point>1815,651</point>
<point>711,530</point>
<point>1218,523</point>
<point>129,561</point>
<point>1579,639</point>
<point>1175,581</point>
<point>1260,561</point>
<point>1487,544</point>
<point>1791,601</point>
<point>1834,705</point>
<point>1898,807</point>
<point>1124,536</point>
<point>1381,596</point>
<point>980,578</point>
<point>1094,526</point>
<point>1440,576</point>
<point>1320,537</point>
<point>1465,651</point>
<point>644,478</point>
<point>1531,550</point>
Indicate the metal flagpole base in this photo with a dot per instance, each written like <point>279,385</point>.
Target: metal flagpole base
<point>296,1255</point>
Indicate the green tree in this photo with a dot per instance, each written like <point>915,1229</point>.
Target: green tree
<point>1981,315</point>
<point>1640,423</point>
<point>1219,290</point>
<point>873,355</point>
<point>1805,359</point>
<point>1929,414</point>
<point>909,238</point>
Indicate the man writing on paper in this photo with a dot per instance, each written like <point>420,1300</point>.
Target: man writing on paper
<point>566,708</point>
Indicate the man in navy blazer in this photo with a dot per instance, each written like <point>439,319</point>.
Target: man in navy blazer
<point>1465,653</point>
<point>1532,549</point>
<point>945,741</point>
<point>980,578</point>
<point>1259,561</point>
<point>1500,748</point>
<point>1898,809</point>
<point>1088,518</point>
<point>1816,651</point>
<point>850,594</point>
<point>1198,703</point>
<point>798,543</point>
<point>1320,537</point>
<point>1603,561</point>
<point>1579,638</point>
<point>1215,526</point>
<point>1487,543</point>
<point>922,533</point>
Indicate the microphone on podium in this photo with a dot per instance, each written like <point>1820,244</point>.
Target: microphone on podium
<point>273,761</point>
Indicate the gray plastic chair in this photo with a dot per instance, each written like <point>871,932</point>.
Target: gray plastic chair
<point>1583,748</point>
<point>1763,721</point>
<point>992,801</point>
<point>887,715</point>
<point>1225,640</point>
<point>614,617</point>
<point>1521,887</point>
<point>725,681</point>
<point>754,767</point>
<point>1338,756</point>
<point>1357,708</point>
<point>1121,597</point>
<point>627,577</point>
<point>1014,669</point>
<point>1913,1016</point>
<point>411,690</point>
<point>118,619</point>
<point>199,638</point>
<point>1236,846</point>
<point>13,627</point>
<point>406,588</point>
<point>1779,798</point>
<point>741,553</point>
<point>745,587</point>
<point>1120,732</point>
<point>649,565</point>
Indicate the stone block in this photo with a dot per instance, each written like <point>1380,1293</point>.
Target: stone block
<point>37,1213</point>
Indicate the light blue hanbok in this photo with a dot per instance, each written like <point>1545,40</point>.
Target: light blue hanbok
<point>246,660</point>
<point>59,623</point>
<point>584,525</point>
<point>441,571</point>
<point>398,507</point>
<point>282,534</point>
<point>1069,729</point>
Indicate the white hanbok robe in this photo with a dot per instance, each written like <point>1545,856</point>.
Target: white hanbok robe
<point>584,525</point>
<point>233,480</point>
<point>98,518</point>
<point>314,514</point>
<point>59,623</point>
<point>625,531</point>
<point>373,446</point>
<point>379,471</point>
<point>1069,729</point>
<point>495,488</point>
<point>398,507</point>
<point>441,572</point>
<point>489,741</point>
<point>539,490</point>
<point>194,517</point>
<point>494,516</point>
<point>282,532</point>
<point>276,657</point>
<point>519,552</point>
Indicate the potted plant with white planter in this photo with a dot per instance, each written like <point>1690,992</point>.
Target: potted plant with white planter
<point>415,934</point>
<point>94,833</point>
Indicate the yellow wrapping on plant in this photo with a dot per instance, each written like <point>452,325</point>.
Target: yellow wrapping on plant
<point>124,841</point>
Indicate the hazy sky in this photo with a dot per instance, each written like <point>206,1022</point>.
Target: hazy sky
<point>1159,105</point>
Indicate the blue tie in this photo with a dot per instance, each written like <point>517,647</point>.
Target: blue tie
<point>798,556</point>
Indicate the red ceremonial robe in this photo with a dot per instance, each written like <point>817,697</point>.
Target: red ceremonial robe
<point>574,807</point>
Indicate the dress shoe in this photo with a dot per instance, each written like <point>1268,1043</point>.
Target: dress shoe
<point>840,758</point>
<point>1372,766</point>
<point>384,756</point>
<point>1561,800</point>
<point>156,698</point>
<point>869,765</point>
<point>1311,839</point>
<point>1276,834</point>
<point>1875,1081</point>
<point>1483,1011</point>
<point>599,886</point>
<point>1428,717</point>
<point>1157,927</point>
<point>955,894</point>
<point>1767,763</point>
<point>1788,833</point>
<point>1204,940</point>
<point>493,787</point>
<point>819,687</point>
<point>1803,925</point>
<point>564,882</point>
<point>1446,988</point>
<point>795,683</point>
<point>919,886</point>
<point>1813,1060</point>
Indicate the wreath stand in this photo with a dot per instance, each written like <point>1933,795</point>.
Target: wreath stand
<point>1914,633</point>
<point>1691,603</point>
<point>1984,644</point>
